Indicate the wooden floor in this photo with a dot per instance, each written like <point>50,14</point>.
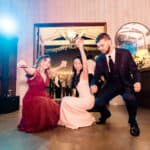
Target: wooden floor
<point>112,136</point>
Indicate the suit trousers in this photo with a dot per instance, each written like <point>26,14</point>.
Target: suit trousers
<point>111,90</point>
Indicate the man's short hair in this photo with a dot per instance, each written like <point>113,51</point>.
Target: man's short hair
<point>102,36</point>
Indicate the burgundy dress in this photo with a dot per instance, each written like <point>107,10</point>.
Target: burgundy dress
<point>40,111</point>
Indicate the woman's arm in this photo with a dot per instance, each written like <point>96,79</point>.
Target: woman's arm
<point>62,65</point>
<point>29,70</point>
<point>80,45</point>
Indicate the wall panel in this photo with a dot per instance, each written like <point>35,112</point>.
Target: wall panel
<point>28,12</point>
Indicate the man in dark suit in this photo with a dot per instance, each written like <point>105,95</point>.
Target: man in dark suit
<point>122,77</point>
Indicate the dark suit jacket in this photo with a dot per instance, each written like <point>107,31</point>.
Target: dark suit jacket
<point>127,69</point>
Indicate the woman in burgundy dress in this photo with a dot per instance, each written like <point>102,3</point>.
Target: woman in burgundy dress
<point>39,111</point>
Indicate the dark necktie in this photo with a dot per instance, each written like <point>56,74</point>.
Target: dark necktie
<point>111,64</point>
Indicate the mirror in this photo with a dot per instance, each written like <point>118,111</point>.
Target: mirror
<point>57,37</point>
<point>136,38</point>
<point>58,41</point>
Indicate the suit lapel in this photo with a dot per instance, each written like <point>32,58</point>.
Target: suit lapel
<point>117,59</point>
<point>105,65</point>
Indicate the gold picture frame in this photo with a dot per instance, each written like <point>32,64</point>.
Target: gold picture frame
<point>58,36</point>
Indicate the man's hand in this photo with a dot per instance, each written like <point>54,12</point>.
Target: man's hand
<point>94,89</point>
<point>137,87</point>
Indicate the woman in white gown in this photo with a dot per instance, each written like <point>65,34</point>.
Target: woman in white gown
<point>73,110</point>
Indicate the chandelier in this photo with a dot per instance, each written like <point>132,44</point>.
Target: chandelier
<point>71,35</point>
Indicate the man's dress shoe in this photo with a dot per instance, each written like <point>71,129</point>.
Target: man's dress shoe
<point>134,130</point>
<point>103,119</point>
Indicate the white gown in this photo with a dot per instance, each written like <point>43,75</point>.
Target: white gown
<point>73,110</point>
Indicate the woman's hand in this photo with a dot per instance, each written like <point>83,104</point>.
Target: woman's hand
<point>26,68</point>
<point>80,43</point>
<point>22,64</point>
<point>63,63</point>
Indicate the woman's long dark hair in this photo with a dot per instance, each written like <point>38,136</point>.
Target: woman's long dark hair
<point>76,77</point>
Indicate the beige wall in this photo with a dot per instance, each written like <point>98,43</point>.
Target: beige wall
<point>28,12</point>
